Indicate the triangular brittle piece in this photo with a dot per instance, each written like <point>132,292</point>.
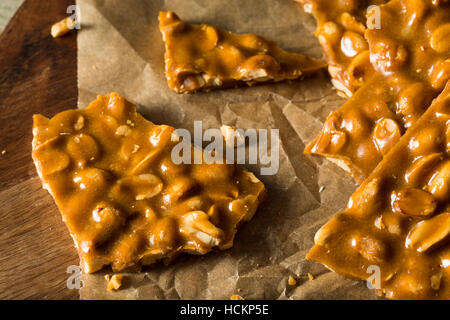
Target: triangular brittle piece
<point>396,228</point>
<point>123,199</point>
<point>202,57</point>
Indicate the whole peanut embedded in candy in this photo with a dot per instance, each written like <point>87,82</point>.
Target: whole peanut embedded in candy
<point>178,189</point>
<point>82,148</point>
<point>413,100</point>
<point>54,160</point>
<point>413,202</point>
<point>422,167</point>
<point>330,32</point>
<point>107,221</point>
<point>350,22</point>
<point>353,43</point>
<point>426,141</point>
<point>360,68</point>
<point>387,55</point>
<point>211,37</point>
<point>429,232</point>
<point>440,74</point>
<point>439,184</point>
<point>439,40</point>
<point>386,134</point>
<point>163,235</point>
<point>370,248</point>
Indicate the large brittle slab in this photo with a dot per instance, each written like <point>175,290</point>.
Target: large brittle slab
<point>203,57</point>
<point>123,199</point>
<point>398,220</point>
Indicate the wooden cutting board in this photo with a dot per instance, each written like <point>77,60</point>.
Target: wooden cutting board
<point>37,75</point>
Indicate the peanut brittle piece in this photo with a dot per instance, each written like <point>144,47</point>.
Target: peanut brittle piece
<point>203,57</point>
<point>123,199</point>
<point>398,220</point>
<point>340,30</point>
<point>411,69</point>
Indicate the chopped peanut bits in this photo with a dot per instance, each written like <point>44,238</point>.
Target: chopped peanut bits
<point>397,222</point>
<point>63,27</point>
<point>203,57</point>
<point>123,199</point>
<point>411,68</point>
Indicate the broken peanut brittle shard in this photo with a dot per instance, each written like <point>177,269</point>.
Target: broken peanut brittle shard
<point>203,57</point>
<point>411,67</point>
<point>123,199</point>
<point>398,220</point>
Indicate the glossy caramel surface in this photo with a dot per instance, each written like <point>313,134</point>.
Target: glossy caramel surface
<point>398,220</point>
<point>203,57</point>
<point>123,199</point>
<point>411,60</point>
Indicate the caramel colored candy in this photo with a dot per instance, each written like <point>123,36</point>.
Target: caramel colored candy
<point>398,68</point>
<point>397,222</point>
<point>123,199</point>
<point>203,57</point>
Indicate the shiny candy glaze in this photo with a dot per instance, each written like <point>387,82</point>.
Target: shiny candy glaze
<point>411,59</point>
<point>398,219</point>
<point>123,199</point>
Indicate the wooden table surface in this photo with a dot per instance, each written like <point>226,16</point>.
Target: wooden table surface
<point>7,9</point>
<point>37,75</point>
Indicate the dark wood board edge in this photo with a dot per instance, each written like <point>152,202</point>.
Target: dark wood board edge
<point>38,74</point>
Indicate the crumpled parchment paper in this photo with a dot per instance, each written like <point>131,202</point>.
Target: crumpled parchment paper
<point>120,49</point>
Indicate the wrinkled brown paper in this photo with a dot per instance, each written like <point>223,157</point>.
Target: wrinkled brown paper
<point>120,49</point>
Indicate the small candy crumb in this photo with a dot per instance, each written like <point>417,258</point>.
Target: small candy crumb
<point>3,152</point>
<point>321,188</point>
<point>115,282</point>
<point>310,276</point>
<point>236,297</point>
<point>292,281</point>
